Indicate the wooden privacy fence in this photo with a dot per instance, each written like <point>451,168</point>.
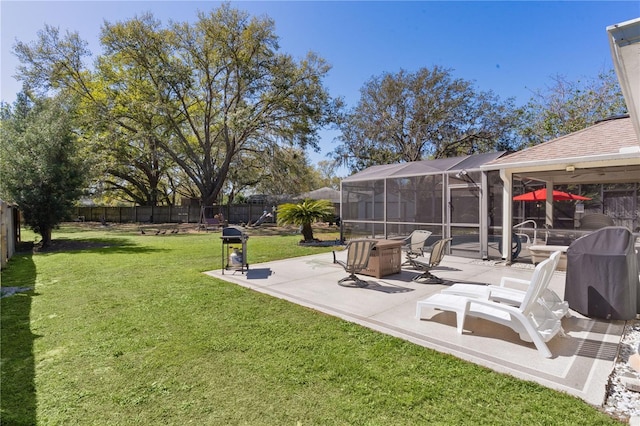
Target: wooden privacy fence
<point>137,214</point>
<point>233,214</point>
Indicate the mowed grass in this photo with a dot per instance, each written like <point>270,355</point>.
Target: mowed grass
<point>131,332</point>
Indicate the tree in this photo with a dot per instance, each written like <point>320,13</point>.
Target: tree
<point>304,214</point>
<point>112,108</point>
<point>566,107</point>
<point>40,170</point>
<point>426,114</point>
<point>327,176</point>
<point>222,89</point>
<point>216,89</point>
<point>128,135</point>
<point>286,173</point>
<point>281,172</point>
<point>131,167</point>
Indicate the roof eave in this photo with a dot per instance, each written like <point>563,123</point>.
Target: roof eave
<point>624,41</point>
<point>601,160</point>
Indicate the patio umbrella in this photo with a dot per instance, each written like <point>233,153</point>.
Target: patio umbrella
<point>541,195</point>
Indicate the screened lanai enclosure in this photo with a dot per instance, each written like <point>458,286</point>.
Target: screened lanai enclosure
<point>462,198</point>
<point>451,197</point>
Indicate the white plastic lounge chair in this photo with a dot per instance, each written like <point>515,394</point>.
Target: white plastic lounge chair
<point>425,264</point>
<point>414,244</point>
<point>358,252</point>
<point>506,293</point>
<point>532,320</point>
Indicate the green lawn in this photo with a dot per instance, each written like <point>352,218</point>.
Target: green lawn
<point>133,333</point>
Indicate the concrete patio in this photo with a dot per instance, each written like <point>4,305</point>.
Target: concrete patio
<point>583,358</point>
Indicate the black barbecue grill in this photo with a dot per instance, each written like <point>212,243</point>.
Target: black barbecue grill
<point>235,256</point>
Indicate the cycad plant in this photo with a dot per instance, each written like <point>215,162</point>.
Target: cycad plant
<point>304,214</point>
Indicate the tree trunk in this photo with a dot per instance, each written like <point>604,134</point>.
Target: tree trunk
<point>307,232</point>
<point>46,237</point>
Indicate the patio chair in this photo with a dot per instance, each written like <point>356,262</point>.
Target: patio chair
<point>414,246</point>
<point>426,264</point>
<point>358,252</point>
<point>532,320</point>
<point>506,293</point>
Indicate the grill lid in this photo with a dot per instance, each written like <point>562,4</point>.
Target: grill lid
<point>233,233</point>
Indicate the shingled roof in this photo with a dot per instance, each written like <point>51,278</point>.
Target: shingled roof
<point>608,137</point>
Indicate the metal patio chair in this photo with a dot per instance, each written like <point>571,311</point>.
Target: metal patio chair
<point>414,244</point>
<point>425,264</point>
<point>358,252</point>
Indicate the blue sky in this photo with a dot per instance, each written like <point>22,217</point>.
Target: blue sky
<point>508,47</point>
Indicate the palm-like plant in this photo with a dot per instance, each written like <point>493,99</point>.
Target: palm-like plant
<point>304,214</point>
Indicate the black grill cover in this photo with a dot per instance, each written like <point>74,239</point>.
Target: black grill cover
<point>602,275</point>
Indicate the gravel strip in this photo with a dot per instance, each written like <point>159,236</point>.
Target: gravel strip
<point>621,402</point>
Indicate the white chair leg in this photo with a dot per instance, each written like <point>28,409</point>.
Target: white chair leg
<point>533,336</point>
<point>461,315</point>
